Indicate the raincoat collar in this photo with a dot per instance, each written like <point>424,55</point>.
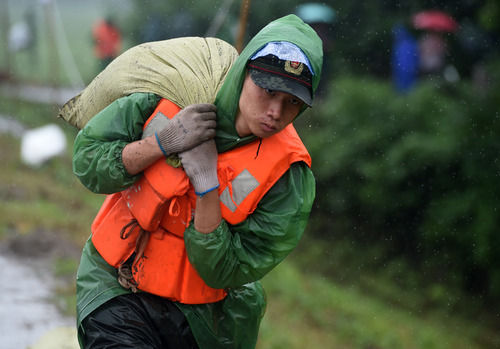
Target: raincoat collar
<point>290,29</point>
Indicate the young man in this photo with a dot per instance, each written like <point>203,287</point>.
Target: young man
<point>176,252</point>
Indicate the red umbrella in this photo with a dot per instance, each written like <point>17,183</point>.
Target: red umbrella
<point>435,20</point>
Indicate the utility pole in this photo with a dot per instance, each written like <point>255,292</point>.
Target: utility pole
<point>5,20</point>
<point>245,7</point>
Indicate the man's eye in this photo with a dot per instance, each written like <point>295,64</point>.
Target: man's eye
<point>269,91</point>
<point>295,101</point>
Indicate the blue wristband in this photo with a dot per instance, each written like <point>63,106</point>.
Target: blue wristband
<point>159,144</point>
<point>206,191</point>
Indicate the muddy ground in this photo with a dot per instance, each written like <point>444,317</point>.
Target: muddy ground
<point>29,305</point>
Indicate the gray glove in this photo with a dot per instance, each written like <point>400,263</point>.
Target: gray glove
<point>200,164</point>
<point>190,127</point>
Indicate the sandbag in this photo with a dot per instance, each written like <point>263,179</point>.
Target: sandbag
<point>184,70</point>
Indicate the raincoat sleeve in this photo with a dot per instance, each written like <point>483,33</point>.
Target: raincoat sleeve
<point>97,152</point>
<point>232,256</point>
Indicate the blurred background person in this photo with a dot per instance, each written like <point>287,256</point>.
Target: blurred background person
<point>404,59</point>
<point>107,41</point>
<point>435,26</point>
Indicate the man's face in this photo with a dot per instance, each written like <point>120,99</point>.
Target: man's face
<point>264,112</point>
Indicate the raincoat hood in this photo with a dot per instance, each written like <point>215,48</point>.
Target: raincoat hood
<point>289,28</point>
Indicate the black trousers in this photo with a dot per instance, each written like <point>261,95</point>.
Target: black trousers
<point>138,320</point>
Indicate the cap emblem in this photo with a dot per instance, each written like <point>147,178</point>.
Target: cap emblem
<point>294,67</point>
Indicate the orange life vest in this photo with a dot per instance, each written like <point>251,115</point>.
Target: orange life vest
<point>161,202</point>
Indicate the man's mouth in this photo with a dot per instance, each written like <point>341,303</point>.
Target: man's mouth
<point>267,127</point>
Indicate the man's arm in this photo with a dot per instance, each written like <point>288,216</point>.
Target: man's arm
<point>200,165</point>
<point>190,127</point>
<point>207,215</point>
<point>231,256</point>
<point>139,155</point>
<point>109,154</point>
<point>98,148</point>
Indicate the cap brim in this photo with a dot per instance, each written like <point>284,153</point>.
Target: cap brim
<point>282,84</point>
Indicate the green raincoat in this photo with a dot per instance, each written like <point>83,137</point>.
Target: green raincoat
<point>233,256</point>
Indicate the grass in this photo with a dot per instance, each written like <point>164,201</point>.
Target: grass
<point>309,310</point>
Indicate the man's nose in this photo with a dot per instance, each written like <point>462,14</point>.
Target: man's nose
<point>275,109</point>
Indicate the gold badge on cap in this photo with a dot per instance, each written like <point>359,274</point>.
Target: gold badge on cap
<point>294,67</point>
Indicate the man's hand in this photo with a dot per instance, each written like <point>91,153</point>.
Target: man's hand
<point>190,127</point>
<point>200,164</point>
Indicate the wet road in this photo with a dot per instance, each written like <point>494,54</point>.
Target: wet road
<point>27,310</point>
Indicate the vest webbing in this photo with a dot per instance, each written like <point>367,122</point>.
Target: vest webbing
<point>161,203</point>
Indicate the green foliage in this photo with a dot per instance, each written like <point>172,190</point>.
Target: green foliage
<point>328,315</point>
<point>416,173</point>
<point>489,14</point>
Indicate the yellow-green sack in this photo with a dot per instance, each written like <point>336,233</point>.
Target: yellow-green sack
<point>183,70</point>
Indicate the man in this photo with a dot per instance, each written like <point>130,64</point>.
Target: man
<point>176,252</point>
<point>107,41</point>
